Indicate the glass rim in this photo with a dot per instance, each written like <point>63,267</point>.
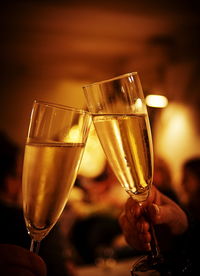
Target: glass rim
<point>60,106</point>
<point>111,79</point>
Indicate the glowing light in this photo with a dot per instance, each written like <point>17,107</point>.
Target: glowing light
<point>156,101</point>
<point>138,104</point>
<point>94,160</point>
<point>176,138</point>
<point>73,136</point>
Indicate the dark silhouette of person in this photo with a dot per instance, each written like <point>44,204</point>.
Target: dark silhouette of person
<point>191,185</point>
<point>13,230</point>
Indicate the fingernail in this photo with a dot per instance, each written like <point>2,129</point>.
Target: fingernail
<point>155,210</point>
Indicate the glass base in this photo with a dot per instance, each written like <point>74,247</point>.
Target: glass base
<point>146,266</point>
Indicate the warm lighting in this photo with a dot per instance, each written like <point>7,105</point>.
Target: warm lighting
<point>176,138</point>
<point>73,136</point>
<point>156,101</point>
<point>94,160</point>
<point>138,105</point>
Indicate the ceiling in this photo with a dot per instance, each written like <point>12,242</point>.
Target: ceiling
<point>87,41</point>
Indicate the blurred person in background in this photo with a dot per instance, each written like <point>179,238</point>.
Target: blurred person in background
<point>191,185</point>
<point>162,178</point>
<point>96,232</point>
<point>13,230</point>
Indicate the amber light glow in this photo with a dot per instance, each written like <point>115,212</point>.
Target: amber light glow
<point>156,101</point>
<point>94,160</point>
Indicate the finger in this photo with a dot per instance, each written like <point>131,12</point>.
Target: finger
<point>131,206</point>
<point>132,209</point>
<point>145,237</point>
<point>155,213</point>
<point>128,231</point>
<point>163,214</point>
<point>136,235</point>
<point>142,226</point>
<point>144,234</point>
<point>126,224</point>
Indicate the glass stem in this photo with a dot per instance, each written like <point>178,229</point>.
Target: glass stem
<point>35,245</point>
<point>155,250</point>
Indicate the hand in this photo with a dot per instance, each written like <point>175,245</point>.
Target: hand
<point>170,220</point>
<point>18,261</point>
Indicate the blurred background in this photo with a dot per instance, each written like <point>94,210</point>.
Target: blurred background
<point>50,49</point>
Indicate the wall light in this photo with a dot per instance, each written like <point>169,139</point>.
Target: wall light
<point>156,101</point>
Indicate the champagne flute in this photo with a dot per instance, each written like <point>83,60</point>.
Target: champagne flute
<point>54,148</point>
<point>121,121</point>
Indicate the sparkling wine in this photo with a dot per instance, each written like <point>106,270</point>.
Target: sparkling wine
<point>127,144</point>
<point>49,173</point>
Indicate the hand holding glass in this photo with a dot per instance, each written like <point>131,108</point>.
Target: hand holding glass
<point>120,118</point>
<point>53,152</point>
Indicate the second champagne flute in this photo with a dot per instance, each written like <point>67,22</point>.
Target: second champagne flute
<point>54,148</point>
<point>121,121</point>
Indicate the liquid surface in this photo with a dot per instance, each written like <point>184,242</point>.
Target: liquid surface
<point>48,176</point>
<point>126,141</point>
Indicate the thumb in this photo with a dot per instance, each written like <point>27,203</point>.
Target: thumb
<point>171,215</point>
<point>160,214</point>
